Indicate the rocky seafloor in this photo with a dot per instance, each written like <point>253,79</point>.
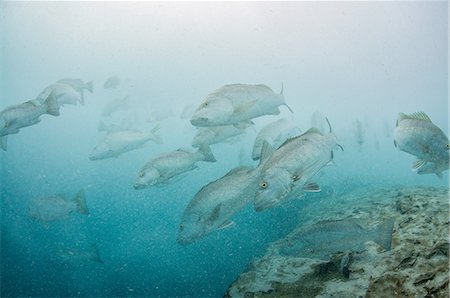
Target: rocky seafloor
<point>417,265</point>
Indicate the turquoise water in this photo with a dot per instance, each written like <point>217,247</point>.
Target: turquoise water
<point>366,61</point>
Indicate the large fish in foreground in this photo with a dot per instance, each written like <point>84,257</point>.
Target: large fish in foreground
<point>235,103</point>
<point>15,117</point>
<point>292,166</point>
<point>325,238</point>
<point>57,207</point>
<point>213,206</point>
<point>275,133</point>
<point>417,135</point>
<point>117,142</point>
<point>166,166</point>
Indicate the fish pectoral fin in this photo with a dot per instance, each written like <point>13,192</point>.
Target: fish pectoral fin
<point>245,107</point>
<point>227,224</point>
<point>296,177</point>
<point>215,213</point>
<point>418,164</point>
<point>311,187</point>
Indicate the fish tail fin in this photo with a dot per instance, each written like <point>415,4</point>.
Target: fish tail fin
<point>4,142</point>
<point>207,153</point>
<point>155,137</point>
<point>90,86</point>
<point>94,254</point>
<point>384,234</point>
<point>52,104</point>
<point>80,200</point>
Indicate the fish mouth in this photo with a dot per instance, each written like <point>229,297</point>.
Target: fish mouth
<point>139,186</point>
<point>199,121</point>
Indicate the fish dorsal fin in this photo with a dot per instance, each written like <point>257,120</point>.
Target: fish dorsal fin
<point>417,116</point>
<point>266,152</point>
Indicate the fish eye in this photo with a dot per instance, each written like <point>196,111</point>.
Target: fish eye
<point>263,184</point>
<point>181,226</point>
<point>447,146</point>
<point>205,104</point>
<point>141,175</point>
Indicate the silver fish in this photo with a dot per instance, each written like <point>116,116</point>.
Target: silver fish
<point>291,167</point>
<point>166,166</point>
<point>213,206</point>
<point>75,256</point>
<point>118,104</point>
<point>57,207</point>
<point>112,82</point>
<point>78,85</point>
<point>231,104</point>
<point>64,93</point>
<point>117,142</point>
<point>417,135</point>
<point>275,133</point>
<point>217,134</point>
<point>15,117</point>
<point>325,238</point>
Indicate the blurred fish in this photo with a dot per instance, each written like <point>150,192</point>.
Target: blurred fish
<point>358,132</point>
<point>15,117</point>
<point>217,134</point>
<point>275,133</point>
<point>187,111</point>
<point>417,135</point>
<point>231,104</point>
<point>168,165</point>
<point>109,128</point>
<point>328,237</point>
<point>57,207</point>
<point>291,167</point>
<point>64,93</point>
<point>77,256</point>
<point>112,82</point>
<point>78,85</point>
<point>213,206</point>
<point>160,115</point>
<point>118,104</point>
<point>387,129</point>
<point>117,142</point>
<point>319,121</point>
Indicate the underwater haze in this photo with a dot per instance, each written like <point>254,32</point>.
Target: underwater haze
<point>358,63</point>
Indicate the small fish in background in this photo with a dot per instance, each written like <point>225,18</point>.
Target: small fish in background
<point>112,82</point>
<point>78,85</point>
<point>387,130</point>
<point>289,169</point>
<point>115,105</point>
<point>188,111</point>
<point>324,238</point>
<point>231,104</point>
<point>417,135</point>
<point>116,143</point>
<point>160,115</point>
<point>102,127</point>
<point>64,93</point>
<point>168,165</point>
<point>206,136</point>
<point>359,133</point>
<point>77,255</point>
<point>56,208</point>
<point>15,117</point>
<point>215,204</point>
<point>274,133</point>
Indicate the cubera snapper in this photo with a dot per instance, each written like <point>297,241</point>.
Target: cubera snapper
<point>168,165</point>
<point>292,166</point>
<point>231,104</point>
<point>213,206</point>
<point>15,117</point>
<point>417,135</point>
<point>117,142</point>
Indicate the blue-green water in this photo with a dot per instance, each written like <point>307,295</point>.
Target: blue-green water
<point>366,61</point>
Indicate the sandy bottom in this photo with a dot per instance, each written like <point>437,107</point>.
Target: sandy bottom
<point>416,266</point>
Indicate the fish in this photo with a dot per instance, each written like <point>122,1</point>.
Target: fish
<point>188,111</point>
<point>289,169</point>
<point>217,134</point>
<point>15,117</point>
<point>112,82</point>
<point>216,203</point>
<point>57,208</point>
<point>64,93</point>
<point>118,104</point>
<point>70,256</point>
<point>109,127</point>
<point>78,85</point>
<point>275,133</point>
<point>358,132</point>
<point>325,238</point>
<point>417,135</point>
<point>234,103</point>
<point>116,143</point>
<point>164,167</point>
